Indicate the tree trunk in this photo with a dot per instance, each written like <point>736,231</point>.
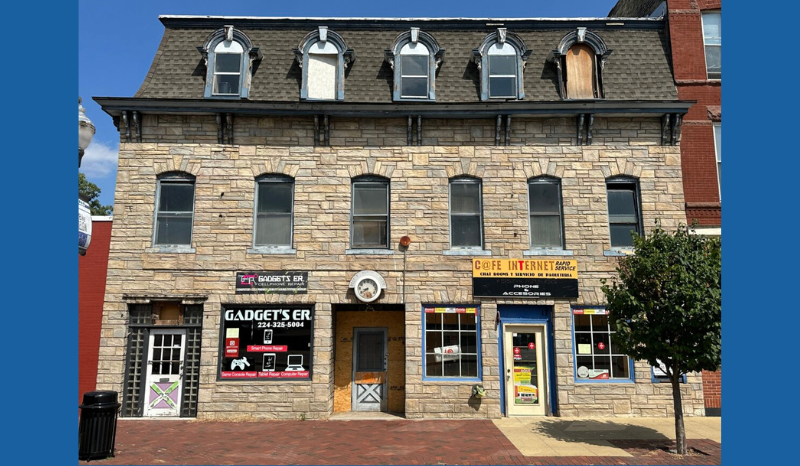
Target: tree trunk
<point>680,432</point>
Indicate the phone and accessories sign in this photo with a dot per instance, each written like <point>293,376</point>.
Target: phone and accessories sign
<point>272,282</point>
<point>266,343</point>
<point>515,278</point>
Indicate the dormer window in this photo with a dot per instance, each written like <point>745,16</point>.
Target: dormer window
<point>229,57</point>
<point>414,57</point>
<point>414,71</point>
<point>501,58</point>
<point>227,68</point>
<point>579,59</point>
<point>323,56</point>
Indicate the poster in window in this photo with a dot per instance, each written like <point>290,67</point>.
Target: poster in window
<point>266,342</point>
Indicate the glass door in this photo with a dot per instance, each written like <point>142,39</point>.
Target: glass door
<point>526,370</point>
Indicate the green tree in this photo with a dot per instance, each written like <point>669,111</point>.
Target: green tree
<point>91,191</point>
<point>667,306</point>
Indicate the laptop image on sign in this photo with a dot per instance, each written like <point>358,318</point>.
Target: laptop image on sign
<point>294,363</point>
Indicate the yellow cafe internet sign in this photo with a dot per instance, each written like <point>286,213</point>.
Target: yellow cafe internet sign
<point>518,268</point>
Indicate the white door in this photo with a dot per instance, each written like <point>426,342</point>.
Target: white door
<point>164,379</point>
<point>526,370</point>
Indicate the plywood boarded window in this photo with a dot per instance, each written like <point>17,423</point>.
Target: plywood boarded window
<point>580,72</point>
<point>323,61</point>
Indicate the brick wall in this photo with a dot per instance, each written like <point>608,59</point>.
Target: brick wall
<point>697,141</point>
<point>91,290</point>
<point>712,390</point>
<point>419,177</point>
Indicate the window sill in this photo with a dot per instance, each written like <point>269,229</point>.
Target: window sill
<point>451,380</point>
<point>603,381</point>
<point>172,249</point>
<point>267,250</point>
<point>547,252</point>
<point>369,252</point>
<point>618,252</point>
<point>467,252</point>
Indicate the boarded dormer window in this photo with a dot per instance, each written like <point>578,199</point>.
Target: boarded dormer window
<point>580,73</point>
<point>324,56</point>
<point>323,59</point>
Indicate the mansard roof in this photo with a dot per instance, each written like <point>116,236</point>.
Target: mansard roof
<point>638,69</point>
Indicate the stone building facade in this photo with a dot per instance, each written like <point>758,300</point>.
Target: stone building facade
<point>170,309</point>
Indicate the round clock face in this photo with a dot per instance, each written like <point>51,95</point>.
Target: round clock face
<point>367,289</point>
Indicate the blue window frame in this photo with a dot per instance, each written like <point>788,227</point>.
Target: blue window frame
<point>594,355</point>
<point>451,336</point>
<point>659,375</point>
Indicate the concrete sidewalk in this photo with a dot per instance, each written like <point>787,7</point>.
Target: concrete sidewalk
<point>550,436</point>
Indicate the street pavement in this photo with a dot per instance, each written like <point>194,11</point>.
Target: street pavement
<point>360,440</point>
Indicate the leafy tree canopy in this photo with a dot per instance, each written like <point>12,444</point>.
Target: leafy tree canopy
<point>667,304</point>
<point>91,191</point>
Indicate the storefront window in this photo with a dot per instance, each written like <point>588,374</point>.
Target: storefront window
<point>596,358</point>
<point>452,342</point>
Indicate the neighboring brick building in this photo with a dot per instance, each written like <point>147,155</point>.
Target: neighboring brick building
<point>92,270</point>
<point>695,32</point>
<point>268,188</point>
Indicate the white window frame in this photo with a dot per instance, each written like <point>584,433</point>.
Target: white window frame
<point>466,180</point>
<point>264,179</point>
<point>503,50</point>
<point>705,45</point>
<point>411,49</point>
<point>718,155</point>
<point>235,49</point>
<point>174,179</point>
<point>557,183</point>
<point>370,180</point>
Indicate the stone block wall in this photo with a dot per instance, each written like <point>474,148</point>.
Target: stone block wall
<point>419,177</point>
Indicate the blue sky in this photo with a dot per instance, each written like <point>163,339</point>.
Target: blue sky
<point>116,45</point>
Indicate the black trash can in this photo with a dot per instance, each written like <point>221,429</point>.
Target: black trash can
<point>98,425</point>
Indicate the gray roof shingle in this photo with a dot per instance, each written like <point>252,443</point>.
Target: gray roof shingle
<point>638,68</point>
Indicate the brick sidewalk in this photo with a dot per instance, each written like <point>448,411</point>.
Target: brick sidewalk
<point>355,442</point>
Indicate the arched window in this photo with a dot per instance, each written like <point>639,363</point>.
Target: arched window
<point>274,209</point>
<point>323,56</point>
<point>501,58</point>
<point>624,210</point>
<point>414,56</point>
<point>369,218</point>
<point>545,207</point>
<point>229,56</point>
<point>579,59</point>
<point>174,209</point>
<point>466,213</point>
<point>581,80</point>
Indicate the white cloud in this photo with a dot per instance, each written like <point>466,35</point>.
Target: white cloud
<point>100,160</point>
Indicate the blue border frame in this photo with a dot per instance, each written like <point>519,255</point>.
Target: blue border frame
<point>478,329</point>
<point>521,315</point>
<point>631,379</point>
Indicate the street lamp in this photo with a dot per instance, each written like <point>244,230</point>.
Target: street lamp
<point>85,133</point>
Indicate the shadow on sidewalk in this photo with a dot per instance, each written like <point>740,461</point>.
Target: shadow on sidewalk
<point>594,431</point>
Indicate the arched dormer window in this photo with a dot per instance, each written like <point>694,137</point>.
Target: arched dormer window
<point>415,55</point>
<point>501,58</point>
<point>579,59</point>
<point>323,56</point>
<point>229,57</point>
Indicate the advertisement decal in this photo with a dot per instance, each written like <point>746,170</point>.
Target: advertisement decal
<point>266,342</point>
